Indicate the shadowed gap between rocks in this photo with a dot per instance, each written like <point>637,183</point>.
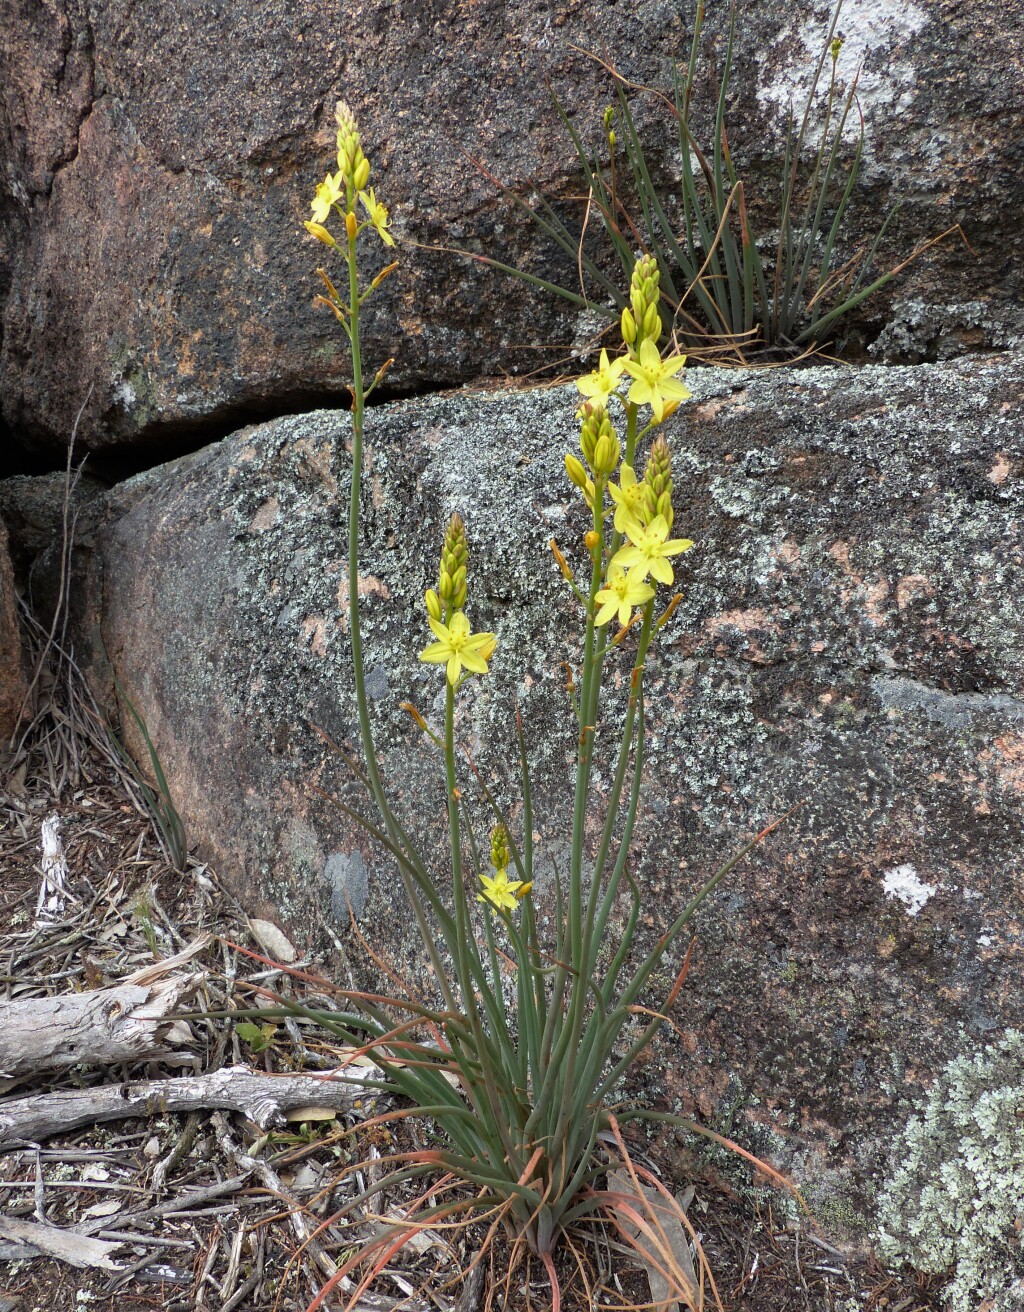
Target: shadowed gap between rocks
<point>178,438</point>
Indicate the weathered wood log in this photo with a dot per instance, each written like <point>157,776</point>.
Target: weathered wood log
<point>125,1022</point>
<point>265,1099</point>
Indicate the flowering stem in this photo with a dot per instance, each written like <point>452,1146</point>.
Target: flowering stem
<point>358,408</point>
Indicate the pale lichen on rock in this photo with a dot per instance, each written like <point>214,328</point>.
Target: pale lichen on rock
<point>956,1201</point>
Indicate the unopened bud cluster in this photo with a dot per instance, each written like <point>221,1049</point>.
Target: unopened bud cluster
<point>454,559</point>
<point>657,485</point>
<point>500,854</point>
<point>598,439</point>
<point>641,321</point>
<point>352,163</point>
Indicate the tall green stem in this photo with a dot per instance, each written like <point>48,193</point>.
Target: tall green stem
<point>359,675</point>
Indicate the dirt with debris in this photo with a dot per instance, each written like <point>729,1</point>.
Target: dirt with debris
<point>209,1210</point>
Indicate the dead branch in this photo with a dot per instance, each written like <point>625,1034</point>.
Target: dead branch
<point>264,1099</point>
<point>125,1022</point>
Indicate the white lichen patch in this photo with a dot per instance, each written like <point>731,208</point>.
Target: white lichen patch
<point>955,1201</point>
<point>904,884</point>
<point>870,28</point>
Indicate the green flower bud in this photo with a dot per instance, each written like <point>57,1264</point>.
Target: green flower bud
<point>577,474</point>
<point>433,604</point>
<point>628,328</point>
<point>657,485</point>
<point>606,453</point>
<point>500,853</point>
<point>454,559</point>
<point>644,295</point>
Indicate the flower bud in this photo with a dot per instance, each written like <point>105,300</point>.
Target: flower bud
<point>563,564</point>
<point>500,854</point>
<point>320,233</point>
<point>657,484</point>
<point>577,474</point>
<point>598,439</point>
<point>592,540</point>
<point>352,163</point>
<point>351,225</point>
<point>459,587</point>
<point>652,322</point>
<point>454,559</point>
<point>433,604</point>
<point>644,295</point>
<point>628,328</point>
<point>606,454</point>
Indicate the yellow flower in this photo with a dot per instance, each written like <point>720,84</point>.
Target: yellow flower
<point>623,592</point>
<point>655,383</point>
<point>329,192</point>
<point>378,216</point>
<point>604,380</point>
<point>649,545</point>
<point>502,892</point>
<point>629,498</point>
<point>456,647</point>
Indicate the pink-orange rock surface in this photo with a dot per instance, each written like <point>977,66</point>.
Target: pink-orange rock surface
<point>158,161</point>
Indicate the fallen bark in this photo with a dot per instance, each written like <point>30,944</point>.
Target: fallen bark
<point>126,1022</point>
<point>40,1240</point>
<point>264,1099</point>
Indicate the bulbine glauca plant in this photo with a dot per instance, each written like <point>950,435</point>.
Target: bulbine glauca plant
<point>731,296</point>
<point>524,1093</point>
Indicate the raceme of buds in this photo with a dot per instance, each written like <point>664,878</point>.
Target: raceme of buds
<point>642,320</point>
<point>353,164</point>
<point>657,485</point>
<point>500,854</point>
<point>598,439</point>
<point>454,559</point>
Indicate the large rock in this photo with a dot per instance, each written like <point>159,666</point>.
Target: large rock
<point>159,161</point>
<point>850,640</point>
<point>13,684</point>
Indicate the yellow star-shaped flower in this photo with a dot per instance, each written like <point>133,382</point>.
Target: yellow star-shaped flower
<point>649,544</point>
<point>654,379</point>
<point>501,892</point>
<point>605,378</point>
<point>629,499</point>
<point>456,647</point>
<point>622,593</point>
<point>329,192</point>
<point>377,215</point>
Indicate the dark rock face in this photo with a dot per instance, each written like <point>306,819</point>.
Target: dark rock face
<point>850,640</point>
<point>160,160</point>
<point>13,685</point>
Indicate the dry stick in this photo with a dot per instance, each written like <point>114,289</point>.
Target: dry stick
<point>264,1099</point>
